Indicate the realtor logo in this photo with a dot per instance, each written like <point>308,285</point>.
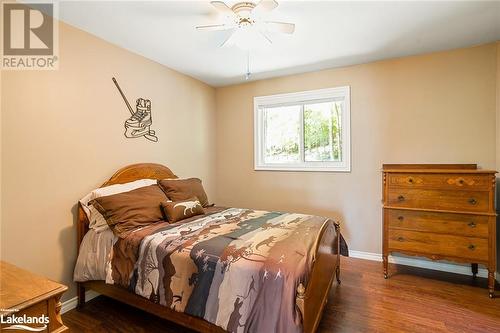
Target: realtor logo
<point>29,34</point>
<point>24,322</point>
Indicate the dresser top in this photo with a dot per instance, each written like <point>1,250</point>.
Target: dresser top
<point>20,288</point>
<point>435,168</point>
<point>440,171</point>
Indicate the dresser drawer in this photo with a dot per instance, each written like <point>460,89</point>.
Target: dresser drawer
<point>443,223</point>
<point>436,245</point>
<point>35,310</point>
<point>469,201</point>
<point>440,181</point>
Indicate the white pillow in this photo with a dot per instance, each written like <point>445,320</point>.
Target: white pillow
<point>97,221</point>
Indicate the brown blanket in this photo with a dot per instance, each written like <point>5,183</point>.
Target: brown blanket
<point>236,268</point>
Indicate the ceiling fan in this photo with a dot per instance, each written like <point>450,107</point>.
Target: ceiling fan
<point>245,20</point>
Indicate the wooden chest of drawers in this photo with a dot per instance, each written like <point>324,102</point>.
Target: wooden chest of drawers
<point>440,212</point>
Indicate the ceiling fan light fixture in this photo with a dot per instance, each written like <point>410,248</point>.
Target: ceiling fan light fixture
<point>247,25</point>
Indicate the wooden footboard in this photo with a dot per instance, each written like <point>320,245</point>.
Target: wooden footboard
<point>310,299</point>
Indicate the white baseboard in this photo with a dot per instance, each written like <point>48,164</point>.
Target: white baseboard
<point>70,304</point>
<point>435,265</point>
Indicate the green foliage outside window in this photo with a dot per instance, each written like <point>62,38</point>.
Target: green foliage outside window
<point>322,133</point>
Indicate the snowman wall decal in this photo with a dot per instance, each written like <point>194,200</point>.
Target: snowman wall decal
<point>140,121</point>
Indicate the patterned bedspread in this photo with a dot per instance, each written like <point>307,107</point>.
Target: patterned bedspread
<point>236,268</point>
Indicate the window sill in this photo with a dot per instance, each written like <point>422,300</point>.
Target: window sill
<point>339,169</point>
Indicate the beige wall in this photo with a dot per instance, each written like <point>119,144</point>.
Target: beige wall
<point>1,150</point>
<point>498,106</point>
<point>435,108</point>
<point>498,158</point>
<point>62,136</point>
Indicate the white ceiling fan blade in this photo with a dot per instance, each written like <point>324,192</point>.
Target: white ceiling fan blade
<point>265,6</point>
<point>223,8</point>
<point>214,27</point>
<point>286,28</point>
<point>229,40</point>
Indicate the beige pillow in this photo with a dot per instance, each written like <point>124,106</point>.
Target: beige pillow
<point>130,210</point>
<point>180,210</point>
<point>184,189</point>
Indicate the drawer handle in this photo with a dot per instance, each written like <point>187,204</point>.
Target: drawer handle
<point>401,239</point>
<point>461,181</point>
<point>401,198</point>
<point>401,218</point>
<point>410,180</point>
<point>472,247</point>
<point>472,201</point>
<point>472,225</point>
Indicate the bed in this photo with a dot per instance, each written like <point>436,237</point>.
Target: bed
<point>309,294</point>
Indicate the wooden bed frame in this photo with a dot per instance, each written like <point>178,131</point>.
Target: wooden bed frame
<point>310,299</point>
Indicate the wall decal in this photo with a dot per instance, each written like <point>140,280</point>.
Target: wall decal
<point>140,121</point>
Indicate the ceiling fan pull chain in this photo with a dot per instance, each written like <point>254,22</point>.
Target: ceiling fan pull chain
<point>248,74</point>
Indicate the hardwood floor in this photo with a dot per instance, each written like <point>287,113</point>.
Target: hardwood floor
<point>411,300</point>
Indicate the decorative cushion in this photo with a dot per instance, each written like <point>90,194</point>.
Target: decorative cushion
<point>183,189</point>
<point>127,211</point>
<point>180,210</point>
<point>97,221</point>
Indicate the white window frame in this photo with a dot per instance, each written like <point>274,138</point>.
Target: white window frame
<point>304,97</point>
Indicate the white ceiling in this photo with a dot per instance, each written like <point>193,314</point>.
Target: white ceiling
<point>328,33</point>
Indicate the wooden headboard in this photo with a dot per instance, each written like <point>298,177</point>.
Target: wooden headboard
<point>139,171</point>
<point>124,175</point>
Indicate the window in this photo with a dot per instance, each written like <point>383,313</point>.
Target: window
<point>305,131</point>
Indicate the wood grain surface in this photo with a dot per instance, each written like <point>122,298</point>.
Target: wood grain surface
<point>23,293</point>
<point>412,300</point>
<point>440,213</point>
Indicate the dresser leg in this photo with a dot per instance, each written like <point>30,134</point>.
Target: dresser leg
<point>55,319</point>
<point>474,270</point>
<point>491,283</point>
<point>386,263</point>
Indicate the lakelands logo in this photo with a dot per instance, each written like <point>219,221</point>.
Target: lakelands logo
<point>36,324</point>
<point>30,36</point>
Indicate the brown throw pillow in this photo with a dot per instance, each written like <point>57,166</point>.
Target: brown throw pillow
<point>127,211</point>
<point>180,210</point>
<point>183,189</point>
